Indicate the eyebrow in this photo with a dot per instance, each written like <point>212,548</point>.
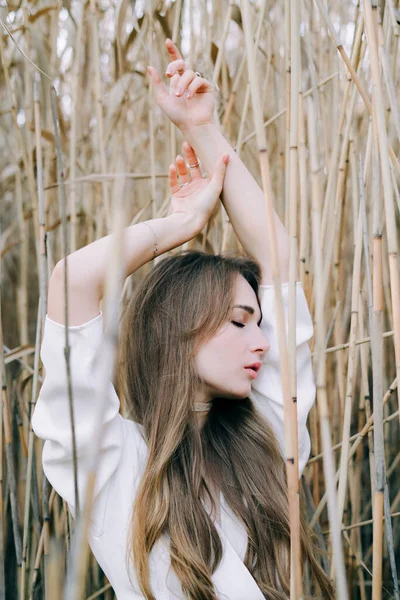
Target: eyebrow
<point>248,309</point>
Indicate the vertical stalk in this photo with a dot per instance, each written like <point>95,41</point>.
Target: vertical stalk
<point>320,343</point>
<point>27,504</point>
<point>292,473</point>
<point>60,170</point>
<point>99,108</point>
<point>293,201</point>
<point>75,117</point>
<point>40,194</point>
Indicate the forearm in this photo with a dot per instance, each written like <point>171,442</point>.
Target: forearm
<point>87,267</point>
<point>243,200</point>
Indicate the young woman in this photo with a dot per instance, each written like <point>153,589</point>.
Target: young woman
<point>190,498</point>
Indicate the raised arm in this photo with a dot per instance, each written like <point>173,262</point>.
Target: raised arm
<point>191,207</point>
<point>189,103</point>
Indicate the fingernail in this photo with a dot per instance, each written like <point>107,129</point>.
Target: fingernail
<point>226,159</point>
<point>168,72</point>
<point>179,92</point>
<point>189,95</point>
<point>149,70</point>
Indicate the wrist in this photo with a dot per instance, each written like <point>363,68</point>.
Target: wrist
<point>202,130</point>
<point>187,225</point>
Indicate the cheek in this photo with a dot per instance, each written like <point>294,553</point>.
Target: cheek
<point>217,355</point>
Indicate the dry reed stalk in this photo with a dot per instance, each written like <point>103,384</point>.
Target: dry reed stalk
<point>151,126</point>
<point>22,293</point>
<point>40,195</point>
<point>227,233</point>
<point>11,474</point>
<point>105,208</point>
<point>66,317</point>
<point>320,341</point>
<point>99,177</point>
<point>304,207</point>
<point>380,128</point>
<point>27,504</point>
<point>295,69</point>
<point>175,32</point>
<point>350,383</point>
<point>74,126</point>
<point>386,180</point>
<point>290,424</point>
<point>79,555</point>
<point>233,94</point>
<point>17,130</point>
<point>221,46</point>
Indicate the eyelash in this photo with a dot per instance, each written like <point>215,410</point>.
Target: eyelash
<point>237,324</point>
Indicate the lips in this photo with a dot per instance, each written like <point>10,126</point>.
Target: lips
<point>253,369</point>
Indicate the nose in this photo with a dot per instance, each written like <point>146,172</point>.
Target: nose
<point>260,344</point>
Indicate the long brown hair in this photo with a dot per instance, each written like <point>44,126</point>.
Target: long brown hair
<point>182,302</point>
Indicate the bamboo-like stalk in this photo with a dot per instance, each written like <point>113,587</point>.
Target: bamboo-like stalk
<point>8,441</point>
<point>99,109</point>
<point>78,561</point>
<point>295,69</point>
<point>66,318</point>
<point>40,195</point>
<point>227,228</point>
<point>330,481</point>
<point>379,123</point>
<point>74,126</point>
<point>386,181</point>
<point>29,462</point>
<point>22,297</point>
<point>290,425</point>
<point>351,369</point>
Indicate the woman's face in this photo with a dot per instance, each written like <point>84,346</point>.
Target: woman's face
<point>227,364</point>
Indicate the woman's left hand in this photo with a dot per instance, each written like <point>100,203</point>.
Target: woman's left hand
<point>195,196</point>
<point>189,102</point>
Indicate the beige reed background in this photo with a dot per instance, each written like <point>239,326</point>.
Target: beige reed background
<point>321,84</point>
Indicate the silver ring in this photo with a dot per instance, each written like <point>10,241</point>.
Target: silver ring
<point>183,184</point>
<point>198,74</point>
<point>194,166</point>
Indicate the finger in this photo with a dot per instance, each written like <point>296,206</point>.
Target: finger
<point>217,179</point>
<point>183,172</point>
<point>158,86</point>
<point>186,79</point>
<point>191,160</point>
<point>199,85</point>
<point>173,179</point>
<point>174,82</point>
<point>176,66</point>
<point>172,50</point>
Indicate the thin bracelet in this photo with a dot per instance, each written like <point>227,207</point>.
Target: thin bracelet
<point>155,237</point>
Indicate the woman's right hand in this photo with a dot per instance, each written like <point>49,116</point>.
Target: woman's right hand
<point>194,196</point>
<point>189,100</point>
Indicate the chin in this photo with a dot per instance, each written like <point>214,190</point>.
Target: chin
<point>235,394</point>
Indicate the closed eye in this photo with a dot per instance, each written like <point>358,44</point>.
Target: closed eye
<point>237,324</point>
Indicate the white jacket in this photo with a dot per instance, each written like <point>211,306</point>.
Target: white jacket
<point>123,451</point>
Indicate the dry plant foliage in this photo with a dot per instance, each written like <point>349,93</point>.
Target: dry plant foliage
<point>328,80</point>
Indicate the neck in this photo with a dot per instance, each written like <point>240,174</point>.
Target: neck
<point>201,407</point>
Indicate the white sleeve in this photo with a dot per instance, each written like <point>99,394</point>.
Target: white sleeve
<point>51,418</point>
<point>267,387</point>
